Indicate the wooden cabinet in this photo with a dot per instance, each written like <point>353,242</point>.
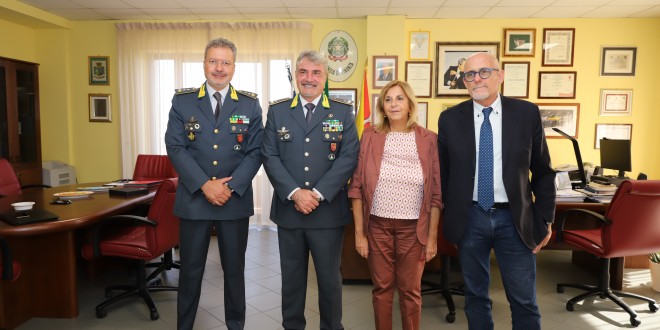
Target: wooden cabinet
<point>20,133</point>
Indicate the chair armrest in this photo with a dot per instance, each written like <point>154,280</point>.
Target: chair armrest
<point>561,218</point>
<point>122,219</point>
<point>7,261</point>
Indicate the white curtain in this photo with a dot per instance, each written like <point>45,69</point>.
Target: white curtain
<point>156,58</point>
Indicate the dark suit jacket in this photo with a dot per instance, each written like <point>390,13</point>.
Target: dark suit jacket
<point>524,150</point>
<point>385,76</point>
<point>365,177</point>
<point>192,151</point>
<point>299,157</point>
<point>460,84</point>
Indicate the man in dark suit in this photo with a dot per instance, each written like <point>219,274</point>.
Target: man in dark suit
<point>454,75</point>
<point>309,162</point>
<point>213,138</point>
<point>488,147</point>
<point>385,74</point>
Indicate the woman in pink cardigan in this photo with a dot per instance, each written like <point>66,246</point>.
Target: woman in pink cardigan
<point>395,192</point>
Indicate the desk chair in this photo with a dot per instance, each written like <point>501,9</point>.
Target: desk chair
<point>153,167</point>
<point>446,250</point>
<point>9,183</point>
<point>143,240</point>
<point>9,269</point>
<point>629,227</point>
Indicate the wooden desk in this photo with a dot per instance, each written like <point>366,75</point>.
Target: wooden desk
<point>47,252</point>
<point>354,267</point>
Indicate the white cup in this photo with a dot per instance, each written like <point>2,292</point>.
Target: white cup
<point>22,206</point>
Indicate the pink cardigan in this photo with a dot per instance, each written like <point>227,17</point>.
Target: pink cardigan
<point>365,177</point>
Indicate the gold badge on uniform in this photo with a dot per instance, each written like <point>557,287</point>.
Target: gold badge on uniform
<point>191,136</point>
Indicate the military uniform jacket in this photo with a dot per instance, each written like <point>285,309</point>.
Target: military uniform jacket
<point>320,157</point>
<point>203,149</point>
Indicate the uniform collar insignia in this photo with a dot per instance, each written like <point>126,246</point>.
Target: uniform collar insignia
<point>326,103</point>
<point>202,91</point>
<point>233,93</point>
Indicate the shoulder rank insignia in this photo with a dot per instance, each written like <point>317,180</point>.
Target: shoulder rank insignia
<point>248,94</point>
<point>181,91</point>
<point>280,101</point>
<point>342,101</point>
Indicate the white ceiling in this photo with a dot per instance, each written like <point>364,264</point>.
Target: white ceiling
<point>77,10</point>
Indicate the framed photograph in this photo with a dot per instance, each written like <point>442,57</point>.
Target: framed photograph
<point>419,45</point>
<point>558,45</point>
<point>418,75</point>
<point>422,113</point>
<point>557,84</point>
<point>385,69</point>
<point>449,61</point>
<point>99,70</point>
<point>618,61</point>
<point>519,42</point>
<point>100,108</point>
<point>561,115</point>
<point>615,102</point>
<point>516,79</point>
<point>612,131</point>
<point>346,94</point>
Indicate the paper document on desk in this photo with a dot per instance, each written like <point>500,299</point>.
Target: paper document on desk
<point>570,195</point>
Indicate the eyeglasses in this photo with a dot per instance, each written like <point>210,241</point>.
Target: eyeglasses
<point>484,73</point>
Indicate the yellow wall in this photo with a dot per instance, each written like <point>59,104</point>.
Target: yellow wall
<point>95,148</point>
<point>17,41</point>
<point>590,36</point>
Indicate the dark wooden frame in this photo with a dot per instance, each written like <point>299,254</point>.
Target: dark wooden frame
<point>546,49</point>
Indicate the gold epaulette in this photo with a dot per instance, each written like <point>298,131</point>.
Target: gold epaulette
<point>342,101</point>
<point>186,90</point>
<point>280,100</point>
<point>248,94</point>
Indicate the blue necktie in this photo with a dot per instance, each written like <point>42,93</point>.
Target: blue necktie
<point>486,188</point>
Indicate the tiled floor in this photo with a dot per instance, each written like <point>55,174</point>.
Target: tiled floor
<point>263,299</point>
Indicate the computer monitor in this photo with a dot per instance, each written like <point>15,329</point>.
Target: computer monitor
<point>615,155</point>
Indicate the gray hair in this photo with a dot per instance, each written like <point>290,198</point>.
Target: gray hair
<point>220,42</point>
<point>461,60</point>
<point>314,57</point>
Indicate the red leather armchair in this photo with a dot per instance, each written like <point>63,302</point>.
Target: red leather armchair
<point>630,227</point>
<point>9,268</point>
<point>9,183</point>
<point>153,167</point>
<point>144,239</point>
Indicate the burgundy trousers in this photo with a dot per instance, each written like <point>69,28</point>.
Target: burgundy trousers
<point>396,261</point>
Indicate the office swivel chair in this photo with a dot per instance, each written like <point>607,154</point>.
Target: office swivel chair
<point>9,183</point>
<point>142,240</point>
<point>9,268</point>
<point>629,228</point>
<point>153,167</point>
<point>446,251</point>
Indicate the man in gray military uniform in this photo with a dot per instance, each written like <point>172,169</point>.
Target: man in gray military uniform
<point>214,141</point>
<point>310,151</point>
